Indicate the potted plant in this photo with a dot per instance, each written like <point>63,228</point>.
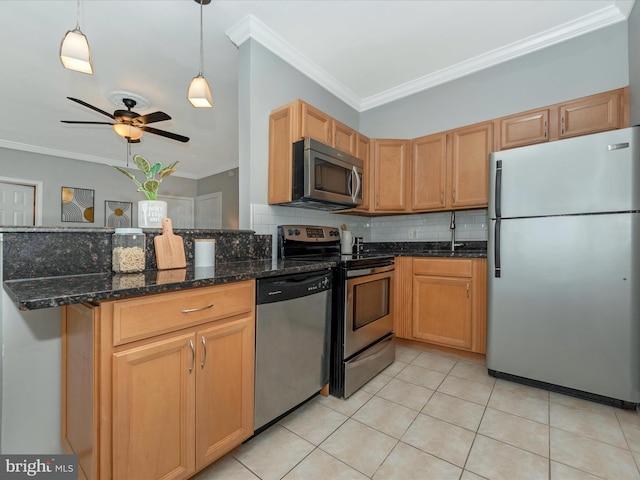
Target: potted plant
<point>150,211</point>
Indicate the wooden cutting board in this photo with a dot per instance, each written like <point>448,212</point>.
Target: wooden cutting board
<point>169,248</point>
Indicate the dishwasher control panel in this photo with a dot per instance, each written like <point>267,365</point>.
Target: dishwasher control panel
<point>287,287</point>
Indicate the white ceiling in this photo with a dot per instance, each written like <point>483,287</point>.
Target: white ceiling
<point>366,52</point>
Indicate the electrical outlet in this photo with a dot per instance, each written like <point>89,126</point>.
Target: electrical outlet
<point>413,233</point>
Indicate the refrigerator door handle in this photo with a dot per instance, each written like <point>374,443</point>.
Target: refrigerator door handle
<point>496,250</point>
<point>498,188</point>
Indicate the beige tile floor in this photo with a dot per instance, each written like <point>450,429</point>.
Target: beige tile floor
<point>432,415</point>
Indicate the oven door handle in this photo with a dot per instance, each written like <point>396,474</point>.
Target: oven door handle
<point>361,272</point>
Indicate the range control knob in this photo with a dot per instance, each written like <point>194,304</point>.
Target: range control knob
<point>297,232</point>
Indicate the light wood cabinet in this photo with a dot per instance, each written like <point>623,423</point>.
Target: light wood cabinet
<point>469,173</point>
<point>597,113</point>
<point>449,170</point>
<point>582,116</point>
<point>313,123</point>
<point>363,152</point>
<point>402,289</point>
<point>153,410</point>
<point>443,171</point>
<point>391,175</point>
<point>524,129</point>
<point>449,302</point>
<point>168,377</point>
<point>291,123</point>
<point>429,172</point>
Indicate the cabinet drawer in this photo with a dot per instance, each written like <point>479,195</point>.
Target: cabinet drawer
<point>450,267</point>
<point>145,317</point>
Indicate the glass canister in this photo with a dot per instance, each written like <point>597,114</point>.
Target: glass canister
<point>128,250</point>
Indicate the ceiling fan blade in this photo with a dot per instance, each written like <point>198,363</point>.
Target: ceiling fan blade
<point>162,133</point>
<point>91,107</point>
<point>151,118</point>
<point>87,123</point>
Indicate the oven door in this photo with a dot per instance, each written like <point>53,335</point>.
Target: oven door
<point>368,307</point>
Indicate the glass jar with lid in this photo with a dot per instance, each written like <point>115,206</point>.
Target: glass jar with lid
<point>128,250</point>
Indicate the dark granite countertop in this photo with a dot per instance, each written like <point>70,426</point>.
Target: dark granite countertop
<point>470,249</point>
<point>45,292</point>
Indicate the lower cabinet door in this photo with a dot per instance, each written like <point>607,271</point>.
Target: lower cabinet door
<point>154,410</point>
<point>224,390</point>
<point>442,310</point>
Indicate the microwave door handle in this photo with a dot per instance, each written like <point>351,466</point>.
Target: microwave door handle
<point>356,191</point>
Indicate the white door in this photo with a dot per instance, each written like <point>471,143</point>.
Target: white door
<point>209,211</point>
<point>179,210</point>
<point>17,204</point>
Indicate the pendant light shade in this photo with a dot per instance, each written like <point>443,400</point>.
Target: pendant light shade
<point>199,93</point>
<point>128,131</point>
<point>74,50</point>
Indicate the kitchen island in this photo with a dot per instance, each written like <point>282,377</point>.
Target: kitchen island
<point>125,338</point>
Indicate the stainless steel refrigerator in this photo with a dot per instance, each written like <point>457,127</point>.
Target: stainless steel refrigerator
<point>564,266</point>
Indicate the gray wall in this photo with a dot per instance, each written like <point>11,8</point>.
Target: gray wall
<point>268,82</point>
<point>56,172</point>
<point>634,65</point>
<point>227,183</point>
<point>582,66</point>
<point>589,64</point>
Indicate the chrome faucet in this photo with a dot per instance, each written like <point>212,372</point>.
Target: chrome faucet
<point>452,227</point>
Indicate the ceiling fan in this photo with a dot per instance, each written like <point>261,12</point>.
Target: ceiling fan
<point>129,124</point>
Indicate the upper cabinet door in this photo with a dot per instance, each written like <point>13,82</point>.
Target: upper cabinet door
<point>429,172</point>
<point>315,123</point>
<point>391,175</point>
<point>524,129</point>
<point>596,113</point>
<point>470,165</point>
<point>344,138</point>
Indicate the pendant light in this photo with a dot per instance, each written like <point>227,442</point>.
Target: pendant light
<point>199,93</point>
<point>74,50</point>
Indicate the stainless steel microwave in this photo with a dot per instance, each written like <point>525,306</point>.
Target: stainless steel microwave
<point>325,178</point>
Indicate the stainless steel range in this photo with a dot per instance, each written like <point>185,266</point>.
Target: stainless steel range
<point>362,309</point>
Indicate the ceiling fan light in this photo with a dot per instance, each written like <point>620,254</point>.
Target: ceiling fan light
<point>128,131</point>
<point>75,53</point>
<point>199,93</point>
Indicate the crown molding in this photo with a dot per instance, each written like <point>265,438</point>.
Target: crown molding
<point>251,27</point>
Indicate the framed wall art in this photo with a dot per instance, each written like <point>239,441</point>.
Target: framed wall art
<point>117,214</point>
<point>77,204</point>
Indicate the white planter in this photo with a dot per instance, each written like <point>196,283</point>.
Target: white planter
<point>151,213</point>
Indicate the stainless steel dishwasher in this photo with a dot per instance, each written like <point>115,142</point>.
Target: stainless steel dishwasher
<point>293,322</point>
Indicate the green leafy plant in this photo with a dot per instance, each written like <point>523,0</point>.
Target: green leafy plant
<point>151,184</point>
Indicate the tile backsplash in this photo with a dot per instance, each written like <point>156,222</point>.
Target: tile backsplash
<point>424,227</point>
